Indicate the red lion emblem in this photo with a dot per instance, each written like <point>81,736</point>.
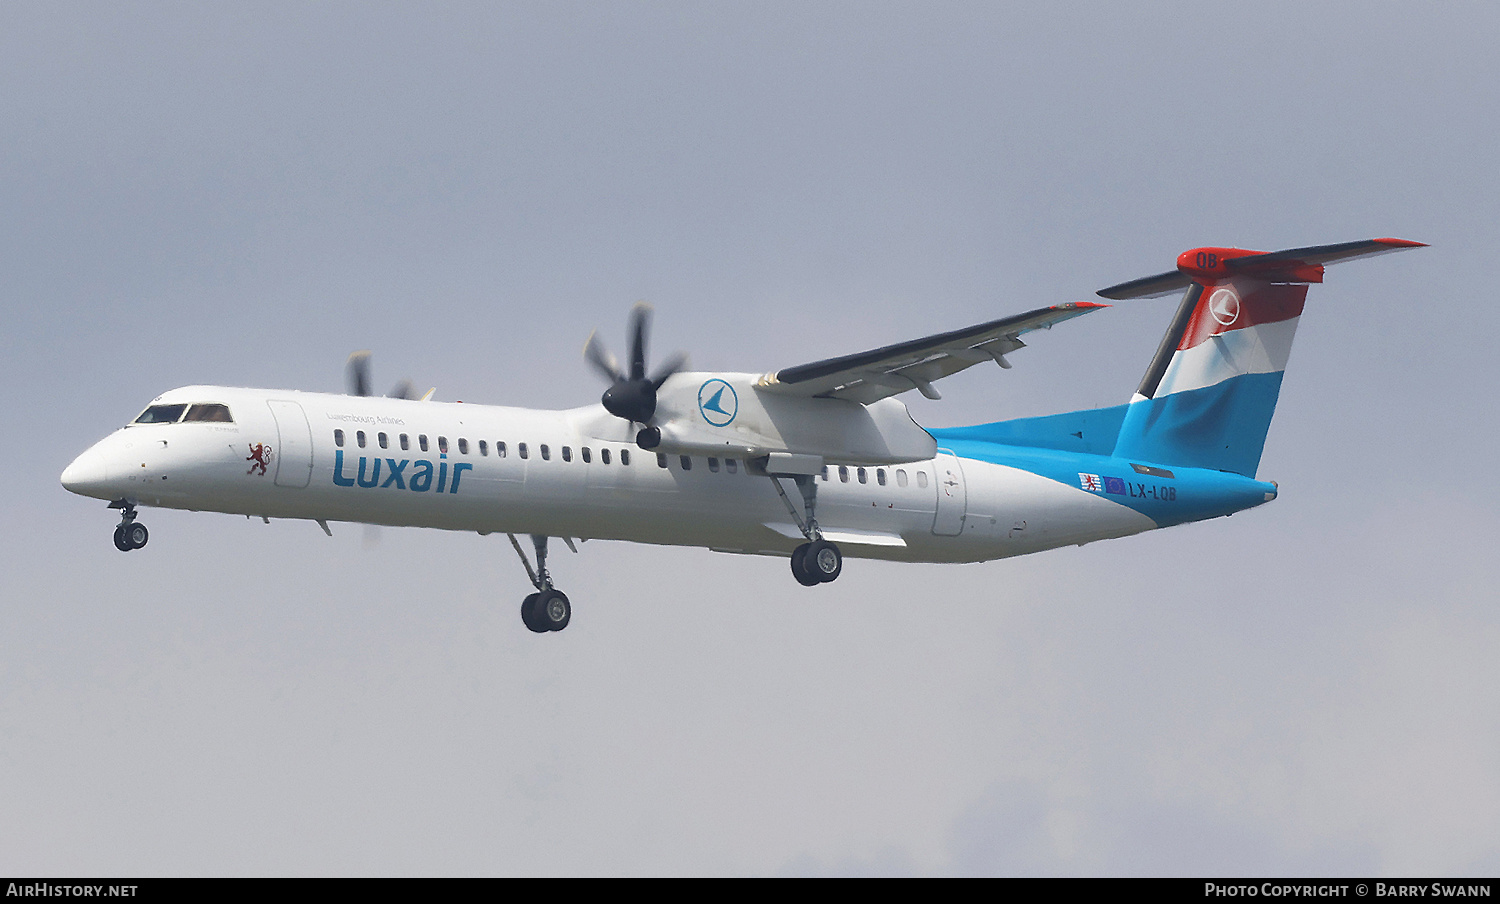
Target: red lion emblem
<point>259,457</point>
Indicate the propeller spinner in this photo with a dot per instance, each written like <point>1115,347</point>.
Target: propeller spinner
<point>632,396</point>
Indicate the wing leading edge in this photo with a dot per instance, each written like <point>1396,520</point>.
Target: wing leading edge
<point>869,376</point>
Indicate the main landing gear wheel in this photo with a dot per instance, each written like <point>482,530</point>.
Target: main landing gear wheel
<point>529,614</point>
<point>131,536</point>
<point>553,610</point>
<point>546,611</point>
<point>818,562</point>
<point>800,570</point>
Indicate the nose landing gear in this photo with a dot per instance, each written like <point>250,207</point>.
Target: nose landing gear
<point>130,534</point>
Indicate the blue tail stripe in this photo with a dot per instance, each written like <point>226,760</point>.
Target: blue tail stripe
<point>1222,427</point>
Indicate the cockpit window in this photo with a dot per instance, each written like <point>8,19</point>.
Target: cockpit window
<point>209,411</point>
<point>161,414</point>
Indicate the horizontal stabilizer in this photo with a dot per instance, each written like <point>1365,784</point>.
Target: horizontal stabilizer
<point>1321,254</point>
<point>1295,265</point>
<point>1149,286</point>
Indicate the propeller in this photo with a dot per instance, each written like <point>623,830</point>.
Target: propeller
<point>632,394</point>
<point>357,378</point>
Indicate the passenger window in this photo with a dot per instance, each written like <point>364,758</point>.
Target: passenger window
<point>405,442</point>
<point>843,474</point>
<point>880,476</point>
<point>625,457</point>
<point>567,453</point>
<point>546,452</point>
<point>385,442</point>
<point>161,414</point>
<point>463,446</point>
<point>825,472</point>
<point>921,478</point>
<point>900,477</point>
<point>359,438</point>
<point>521,450</point>
<point>730,465</point>
<point>499,450</point>
<point>587,455</point>
<point>687,462</point>
<point>863,478</point>
<point>713,465</point>
<point>338,438</point>
<point>422,441</point>
<point>209,411</point>
<point>443,444</point>
<point>661,459</point>
<point>484,448</point>
<point>603,455</point>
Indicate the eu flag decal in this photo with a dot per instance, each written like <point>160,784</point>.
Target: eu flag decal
<point>1114,485</point>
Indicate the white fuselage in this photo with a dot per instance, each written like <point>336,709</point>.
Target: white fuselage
<point>341,458</point>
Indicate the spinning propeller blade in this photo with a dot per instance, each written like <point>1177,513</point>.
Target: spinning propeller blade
<point>357,378</point>
<point>633,396</point>
<point>357,373</point>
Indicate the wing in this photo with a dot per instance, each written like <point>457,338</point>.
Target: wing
<point>870,376</point>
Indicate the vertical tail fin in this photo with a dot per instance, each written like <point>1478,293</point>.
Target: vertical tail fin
<point>1208,397</point>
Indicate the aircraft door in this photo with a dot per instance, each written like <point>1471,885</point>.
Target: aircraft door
<point>293,458</point>
<point>952,496</point>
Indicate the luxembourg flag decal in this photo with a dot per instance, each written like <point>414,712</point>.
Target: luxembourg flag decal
<point>1091,482</point>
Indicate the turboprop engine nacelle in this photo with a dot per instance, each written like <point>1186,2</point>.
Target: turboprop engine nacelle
<point>726,415</point>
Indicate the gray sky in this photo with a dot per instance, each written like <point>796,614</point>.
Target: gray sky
<point>197,194</point>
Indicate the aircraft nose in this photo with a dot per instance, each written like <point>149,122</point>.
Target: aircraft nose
<point>88,475</point>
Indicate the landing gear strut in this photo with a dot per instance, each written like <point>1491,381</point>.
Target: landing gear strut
<point>548,609</point>
<point>130,534</point>
<point>817,561</point>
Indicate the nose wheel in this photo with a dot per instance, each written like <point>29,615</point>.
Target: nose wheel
<point>130,534</point>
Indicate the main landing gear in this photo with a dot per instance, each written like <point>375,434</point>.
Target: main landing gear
<point>129,534</point>
<point>548,609</point>
<point>817,561</point>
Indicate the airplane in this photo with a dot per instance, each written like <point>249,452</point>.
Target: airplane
<point>810,463</point>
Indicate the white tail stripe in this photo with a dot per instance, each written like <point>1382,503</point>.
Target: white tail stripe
<point>1261,349</point>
